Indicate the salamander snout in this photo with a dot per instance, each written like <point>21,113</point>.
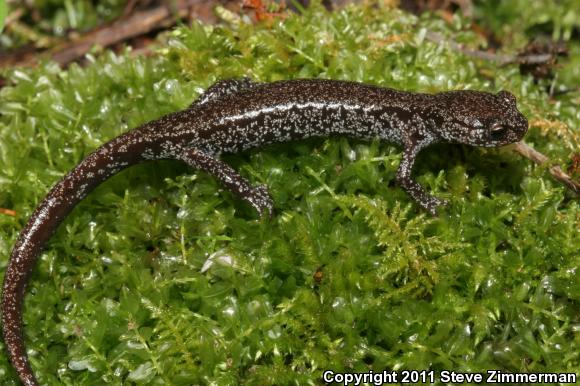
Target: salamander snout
<point>508,124</point>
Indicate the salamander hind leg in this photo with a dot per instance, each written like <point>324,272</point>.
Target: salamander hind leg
<point>223,87</point>
<point>412,187</point>
<point>257,196</point>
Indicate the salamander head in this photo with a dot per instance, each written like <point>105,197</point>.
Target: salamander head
<point>479,118</point>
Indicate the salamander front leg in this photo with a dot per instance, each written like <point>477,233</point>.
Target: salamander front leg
<point>257,196</point>
<point>223,87</point>
<point>412,187</point>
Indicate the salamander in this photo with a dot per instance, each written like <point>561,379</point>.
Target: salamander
<point>239,114</point>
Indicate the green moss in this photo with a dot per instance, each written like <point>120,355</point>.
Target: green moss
<point>118,294</point>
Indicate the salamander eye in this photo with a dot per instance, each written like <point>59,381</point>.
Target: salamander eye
<point>497,131</point>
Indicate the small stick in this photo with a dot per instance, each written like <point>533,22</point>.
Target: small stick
<point>501,58</point>
<point>527,152</point>
<point>138,24</point>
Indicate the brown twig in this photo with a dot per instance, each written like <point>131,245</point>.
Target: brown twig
<point>526,151</point>
<point>137,24</point>
<point>492,56</point>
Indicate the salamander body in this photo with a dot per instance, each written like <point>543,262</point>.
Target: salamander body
<point>237,115</point>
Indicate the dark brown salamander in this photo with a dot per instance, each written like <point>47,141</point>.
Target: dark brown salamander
<point>236,115</point>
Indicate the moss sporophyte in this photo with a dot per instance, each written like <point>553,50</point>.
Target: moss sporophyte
<point>119,295</point>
